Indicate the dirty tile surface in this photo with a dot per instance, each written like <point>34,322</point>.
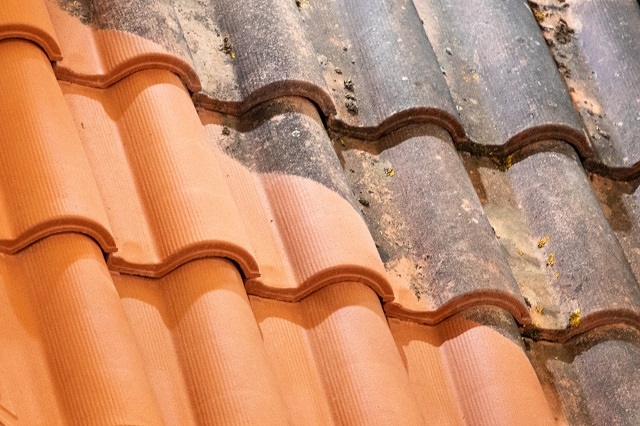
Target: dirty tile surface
<point>304,212</point>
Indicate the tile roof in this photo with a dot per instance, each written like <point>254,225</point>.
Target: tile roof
<point>319,212</point>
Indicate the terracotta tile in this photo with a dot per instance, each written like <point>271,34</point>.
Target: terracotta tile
<point>103,42</point>
<point>70,339</point>
<point>381,50</point>
<point>314,50</point>
<point>237,71</point>
<point>29,21</point>
<point>201,345</point>
<point>335,358</point>
<point>47,184</point>
<point>470,369</point>
<point>506,87</point>
<point>437,245</point>
<point>167,198</point>
<point>593,378</point>
<point>594,48</point>
<point>581,265</point>
<point>309,235</point>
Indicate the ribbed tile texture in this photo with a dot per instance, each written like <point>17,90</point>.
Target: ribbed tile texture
<point>133,226</point>
<point>46,183</point>
<point>68,332</point>
<point>446,365</point>
<point>30,21</point>
<point>172,203</point>
<point>101,41</point>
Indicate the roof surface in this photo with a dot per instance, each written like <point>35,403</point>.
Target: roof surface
<point>336,212</point>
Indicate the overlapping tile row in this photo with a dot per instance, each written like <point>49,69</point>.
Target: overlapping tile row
<point>47,185</point>
<point>595,47</point>
<point>88,346</point>
<point>510,237</point>
<point>373,95</point>
<point>378,71</point>
<point>173,195</point>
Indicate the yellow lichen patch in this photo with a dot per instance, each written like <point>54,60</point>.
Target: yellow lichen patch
<point>389,171</point>
<point>557,275</point>
<point>574,318</point>
<point>551,260</point>
<point>520,252</point>
<point>543,241</point>
<point>539,309</point>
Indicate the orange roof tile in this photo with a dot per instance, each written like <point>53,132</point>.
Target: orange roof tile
<point>161,264</point>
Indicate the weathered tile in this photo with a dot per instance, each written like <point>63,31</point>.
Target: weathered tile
<point>565,256</point>
<point>593,378</point>
<point>595,47</point>
<point>504,82</point>
<point>428,224</point>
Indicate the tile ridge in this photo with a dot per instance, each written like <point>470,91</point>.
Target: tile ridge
<point>99,54</point>
<point>316,255</point>
<point>514,306</point>
<point>241,257</point>
<point>518,311</point>
<point>30,21</point>
<point>130,66</point>
<point>61,225</point>
<point>313,93</point>
<point>584,325</point>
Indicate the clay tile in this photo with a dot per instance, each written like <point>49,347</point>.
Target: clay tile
<point>70,337</point>
<point>202,346</point>
<point>335,359</point>
<point>303,225</point>
<point>504,82</point>
<point>46,183</point>
<point>167,199</point>
<point>369,67</point>
<point>29,20</point>
<point>104,42</point>
<point>466,371</point>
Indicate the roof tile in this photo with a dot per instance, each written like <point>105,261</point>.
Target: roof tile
<point>506,87</point>
<point>47,184</point>
<point>438,247</point>
<point>472,368</point>
<point>337,342</point>
<point>74,342</point>
<point>201,345</point>
<point>29,21</point>
<point>593,378</point>
<point>103,42</point>
<point>144,135</point>
<point>595,47</point>
<point>581,264</point>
